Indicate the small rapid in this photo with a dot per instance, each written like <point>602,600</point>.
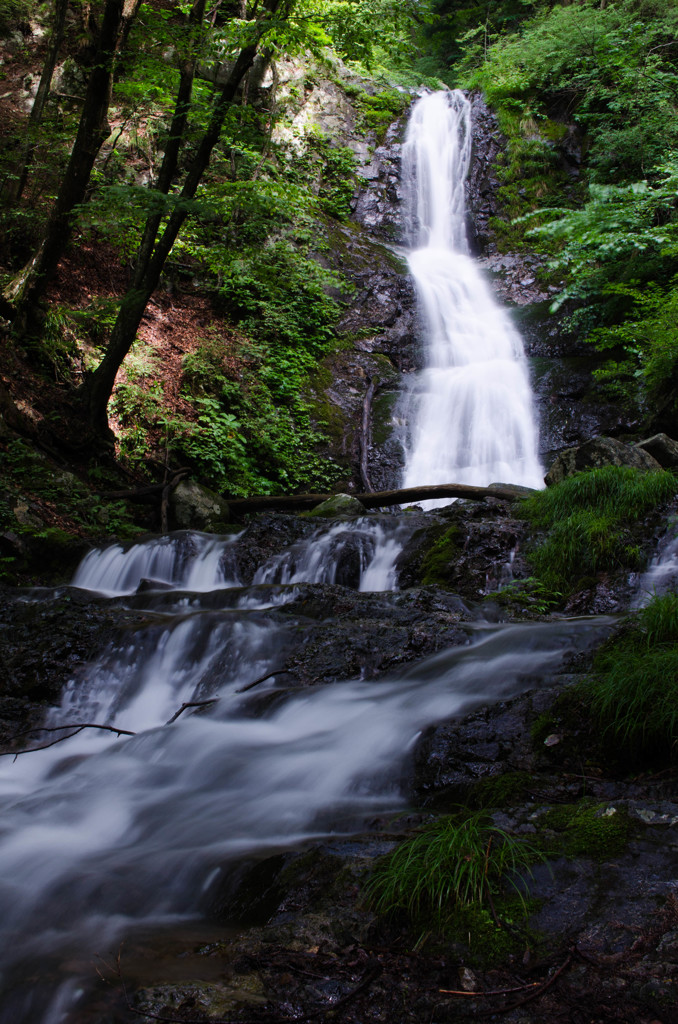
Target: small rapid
<point>469,410</point>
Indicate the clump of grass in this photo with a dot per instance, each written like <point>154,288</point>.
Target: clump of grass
<point>588,519</point>
<point>447,866</point>
<point>633,688</point>
<point>621,492</point>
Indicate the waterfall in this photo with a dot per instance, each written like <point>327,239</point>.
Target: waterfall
<point>470,410</point>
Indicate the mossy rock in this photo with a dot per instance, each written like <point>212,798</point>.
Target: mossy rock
<point>338,505</point>
<point>440,556</point>
<point>583,829</point>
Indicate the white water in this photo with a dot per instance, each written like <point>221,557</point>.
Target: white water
<point>102,835</point>
<point>470,410</point>
<point>194,561</point>
<point>662,573</point>
<point>361,550</point>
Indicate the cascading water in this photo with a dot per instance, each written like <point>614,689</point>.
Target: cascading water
<point>103,835</point>
<point>470,410</point>
<point>662,573</point>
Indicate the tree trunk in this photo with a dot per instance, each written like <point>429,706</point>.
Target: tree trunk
<point>170,162</point>
<point>97,389</point>
<point>376,499</point>
<point>28,288</point>
<point>15,190</point>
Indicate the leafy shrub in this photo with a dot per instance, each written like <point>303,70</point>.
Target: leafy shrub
<point>248,440</point>
<point>450,864</point>
<point>587,517</point>
<point>633,689</point>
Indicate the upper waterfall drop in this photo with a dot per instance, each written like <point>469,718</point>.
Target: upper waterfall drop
<point>470,410</point>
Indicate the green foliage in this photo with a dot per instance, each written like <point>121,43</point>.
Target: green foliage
<point>624,231</point>
<point>29,476</point>
<point>279,296</point>
<point>610,71</point>
<point>620,252</point>
<point>586,517</point>
<point>373,33</point>
<point>247,440</point>
<point>464,29</point>
<point>11,12</point>
<point>611,68</point>
<point>451,864</point>
<point>632,691</point>
<point>527,595</point>
<point>378,111</point>
<point>338,181</point>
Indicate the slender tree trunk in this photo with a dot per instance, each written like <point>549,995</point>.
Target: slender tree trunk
<point>98,387</point>
<point>16,188</point>
<point>175,140</point>
<point>28,288</point>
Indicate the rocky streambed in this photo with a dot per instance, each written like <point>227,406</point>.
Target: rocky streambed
<point>283,929</point>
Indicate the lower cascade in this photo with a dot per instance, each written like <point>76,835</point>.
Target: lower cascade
<point>105,836</point>
<point>470,409</point>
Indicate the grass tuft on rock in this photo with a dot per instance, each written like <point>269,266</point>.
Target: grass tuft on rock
<point>587,519</point>
<point>449,865</point>
<point>633,688</point>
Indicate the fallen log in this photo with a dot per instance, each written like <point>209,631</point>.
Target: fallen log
<point>375,499</point>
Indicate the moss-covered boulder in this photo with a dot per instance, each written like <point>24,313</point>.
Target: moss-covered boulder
<point>194,507</point>
<point>338,505</point>
<point>599,451</point>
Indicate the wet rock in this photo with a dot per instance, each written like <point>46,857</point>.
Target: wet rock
<point>569,407</point>
<point>338,505</point>
<point>482,182</point>
<point>45,642</point>
<point>451,759</point>
<point>364,636</point>
<point>194,507</point>
<point>600,451</point>
<point>662,448</point>
<point>470,548</point>
<point>379,207</point>
<point>380,343</point>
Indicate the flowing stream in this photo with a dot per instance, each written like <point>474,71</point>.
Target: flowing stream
<point>470,410</point>
<point>103,835</point>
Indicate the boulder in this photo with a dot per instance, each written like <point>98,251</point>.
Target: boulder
<point>194,507</point>
<point>599,451</point>
<point>662,448</point>
<point>339,505</point>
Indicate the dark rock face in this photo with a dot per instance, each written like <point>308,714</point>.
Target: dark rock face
<point>600,451</point>
<point>380,331</point>
<point>43,644</point>
<point>569,409</point>
<point>379,205</point>
<point>662,448</point>
<point>481,549</point>
<point>452,758</point>
<point>482,182</point>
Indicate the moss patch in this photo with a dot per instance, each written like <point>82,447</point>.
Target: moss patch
<point>584,829</point>
<point>443,552</point>
<point>501,791</point>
